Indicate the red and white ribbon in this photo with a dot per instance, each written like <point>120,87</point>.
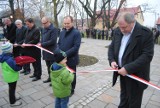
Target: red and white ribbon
<point>130,76</point>
<point>71,70</point>
<point>144,81</point>
<point>105,70</point>
<point>44,49</point>
<point>28,45</point>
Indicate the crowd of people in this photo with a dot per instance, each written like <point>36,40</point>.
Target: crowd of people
<point>19,36</point>
<point>99,34</point>
<point>130,52</point>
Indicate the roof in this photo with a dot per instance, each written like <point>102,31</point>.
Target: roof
<point>133,10</point>
<point>158,21</point>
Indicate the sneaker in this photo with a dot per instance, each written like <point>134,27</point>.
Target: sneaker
<point>17,103</point>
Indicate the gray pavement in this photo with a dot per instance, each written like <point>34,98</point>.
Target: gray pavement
<point>93,90</point>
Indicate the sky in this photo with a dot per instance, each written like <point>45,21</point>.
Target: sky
<point>154,11</point>
<point>151,16</point>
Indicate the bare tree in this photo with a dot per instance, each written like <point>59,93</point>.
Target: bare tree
<point>57,3</point>
<point>32,8</point>
<point>116,13</point>
<point>92,12</point>
<point>11,3</point>
<point>69,3</point>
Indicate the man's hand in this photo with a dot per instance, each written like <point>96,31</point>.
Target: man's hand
<point>23,45</point>
<point>114,65</point>
<point>122,71</point>
<point>15,45</point>
<point>39,44</point>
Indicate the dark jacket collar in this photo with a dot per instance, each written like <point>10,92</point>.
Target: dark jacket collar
<point>49,28</point>
<point>68,31</point>
<point>34,26</point>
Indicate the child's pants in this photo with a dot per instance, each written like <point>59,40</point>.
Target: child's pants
<point>12,89</point>
<point>62,102</point>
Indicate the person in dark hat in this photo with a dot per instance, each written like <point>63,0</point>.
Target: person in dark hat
<point>61,79</point>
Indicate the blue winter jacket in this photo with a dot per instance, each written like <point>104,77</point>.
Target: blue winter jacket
<point>69,42</point>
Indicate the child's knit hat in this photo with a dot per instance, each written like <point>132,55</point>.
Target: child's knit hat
<point>59,56</point>
<point>7,47</point>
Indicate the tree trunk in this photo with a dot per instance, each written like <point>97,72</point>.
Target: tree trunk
<point>92,23</point>
<point>117,12</point>
<point>55,14</point>
<point>12,8</point>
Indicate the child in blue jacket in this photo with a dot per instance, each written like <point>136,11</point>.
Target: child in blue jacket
<point>10,72</point>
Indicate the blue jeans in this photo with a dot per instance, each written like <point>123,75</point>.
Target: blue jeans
<point>62,102</point>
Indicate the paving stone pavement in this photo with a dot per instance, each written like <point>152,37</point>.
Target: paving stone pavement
<point>93,90</point>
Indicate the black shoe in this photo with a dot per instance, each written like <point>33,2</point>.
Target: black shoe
<point>46,81</point>
<point>22,71</point>
<point>50,85</point>
<point>35,79</point>
<point>26,73</point>
<point>32,76</point>
<point>72,92</point>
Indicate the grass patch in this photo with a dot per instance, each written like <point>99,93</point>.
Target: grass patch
<point>86,60</point>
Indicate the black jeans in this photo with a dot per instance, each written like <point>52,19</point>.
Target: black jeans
<point>74,80</point>
<point>12,89</point>
<point>49,63</point>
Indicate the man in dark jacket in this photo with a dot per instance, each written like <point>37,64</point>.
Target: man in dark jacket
<point>33,37</point>
<point>131,52</point>
<point>10,32</point>
<point>69,42</point>
<point>20,36</point>
<point>49,42</point>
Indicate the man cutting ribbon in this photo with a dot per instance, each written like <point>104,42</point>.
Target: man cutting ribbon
<point>131,52</point>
